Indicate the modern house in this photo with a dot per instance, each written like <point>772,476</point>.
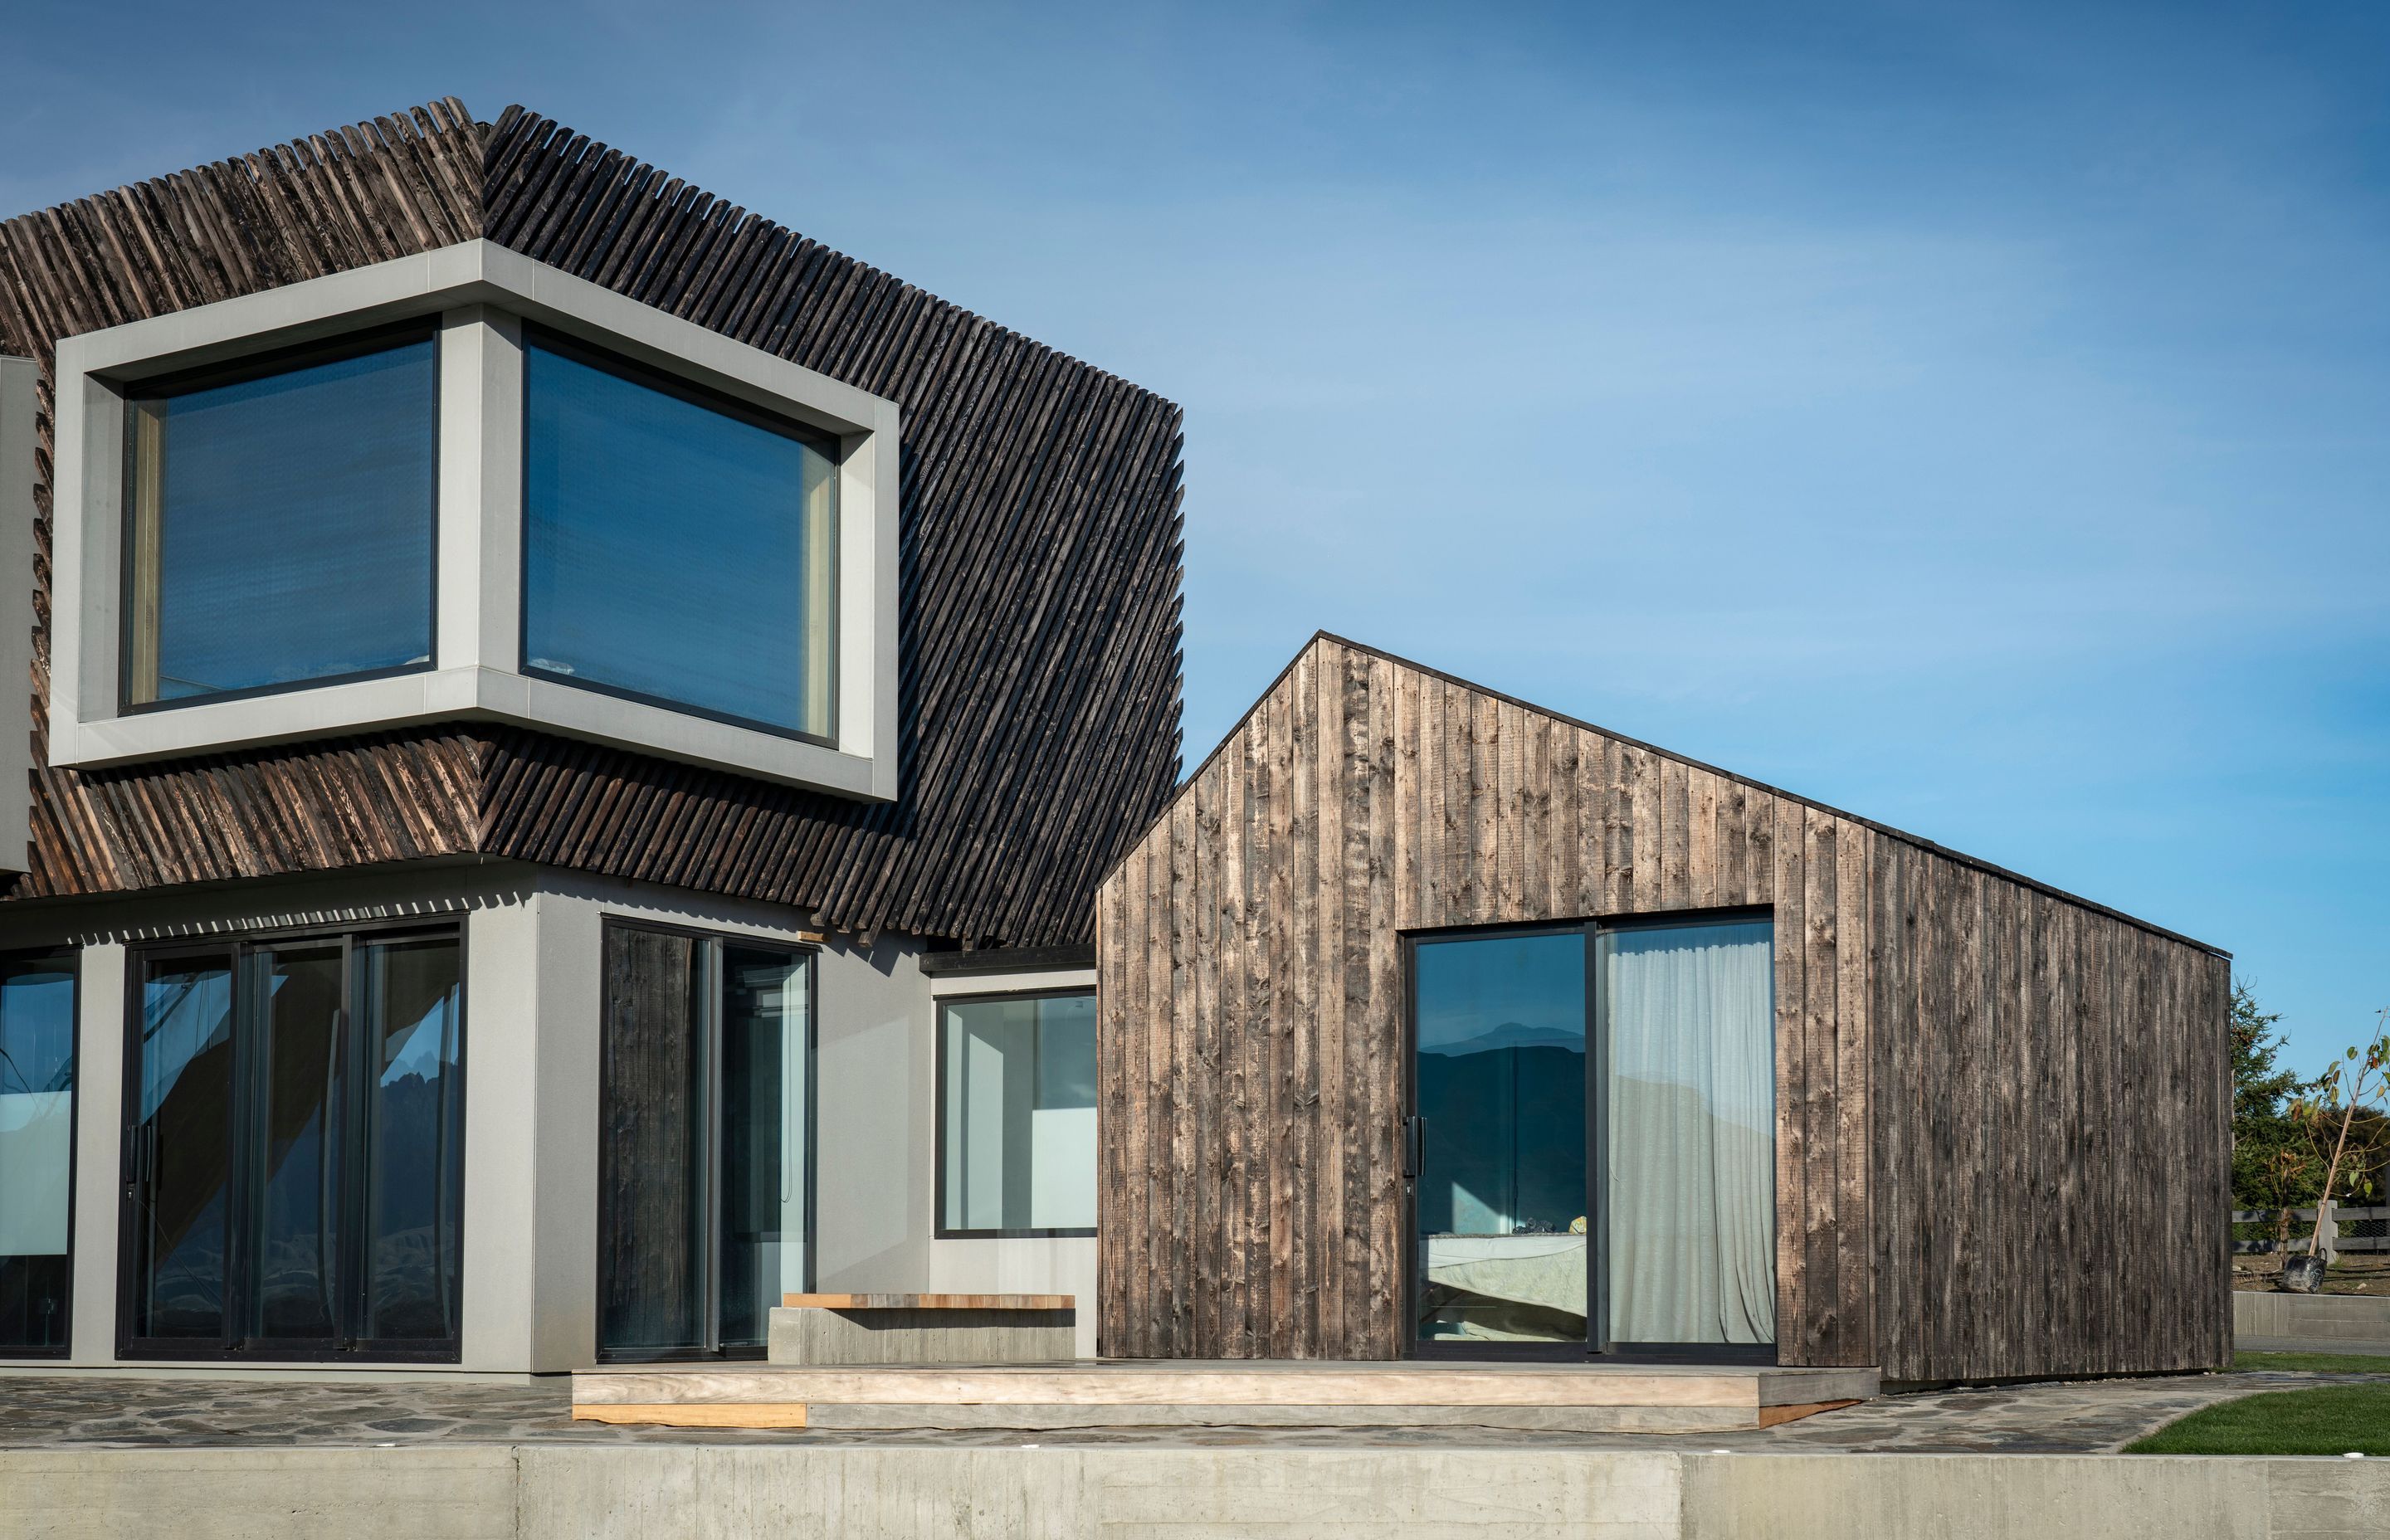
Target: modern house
<point>591,763</point>
<point>1437,1024</point>
<point>571,735</point>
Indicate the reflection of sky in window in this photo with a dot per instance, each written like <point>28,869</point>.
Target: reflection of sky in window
<point>183,1015</point>
<point>423,1049</point>
<point>37,1031</point>
<point>1501,992</point>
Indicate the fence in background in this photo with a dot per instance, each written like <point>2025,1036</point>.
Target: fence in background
<point>2344,1229</point>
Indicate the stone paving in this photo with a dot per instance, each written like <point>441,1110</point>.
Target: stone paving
<point>71,1411</point>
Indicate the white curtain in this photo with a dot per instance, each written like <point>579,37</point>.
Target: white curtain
<point>1691,1019</point>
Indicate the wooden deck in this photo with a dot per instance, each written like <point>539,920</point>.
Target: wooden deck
<point>1658,1398</point>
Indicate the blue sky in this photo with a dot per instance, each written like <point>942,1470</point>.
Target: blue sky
<point>1978,421</point>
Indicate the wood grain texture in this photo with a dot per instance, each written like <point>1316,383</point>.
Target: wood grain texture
<point>1039,632</point>
<point>1982,1083</point>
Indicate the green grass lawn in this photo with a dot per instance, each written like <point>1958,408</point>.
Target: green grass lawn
<point>2329,1419</point>
<point>2312,1363</point>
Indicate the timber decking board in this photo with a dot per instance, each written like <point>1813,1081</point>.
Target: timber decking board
<point>1041,543</point>
<point>928,1301</point>
<point>1977,1076</point>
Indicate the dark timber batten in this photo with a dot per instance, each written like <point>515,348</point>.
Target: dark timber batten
<point>2002,1120</point>
<point>1039,570</point>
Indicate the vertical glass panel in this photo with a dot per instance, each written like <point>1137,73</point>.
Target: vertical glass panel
<point>412,1004</point>
<point>675,550</point>
<point>1062,1124</point>
<point>1501,1096</point>
<point>654,1160</point>
<point>1690,1018</point>
<point>37,1070</point>
<point>281,527</point>
<point>181,1148</point>
<point>764,1057</point>
<point>1019,1113</point>
<point>296,1193</point>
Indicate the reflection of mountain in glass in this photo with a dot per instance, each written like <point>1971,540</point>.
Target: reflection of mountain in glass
<point>1511,1034</point>
<point>1505,1115</point>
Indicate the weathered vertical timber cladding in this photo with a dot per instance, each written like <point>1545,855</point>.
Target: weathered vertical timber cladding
<point>2002,1128</point>
<point>1040,557</point>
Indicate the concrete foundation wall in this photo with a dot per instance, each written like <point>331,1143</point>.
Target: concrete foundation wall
<point>569,1491</point>
<point>2324,1318</point>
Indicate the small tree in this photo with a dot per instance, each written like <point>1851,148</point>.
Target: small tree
<point>2333,1112</point>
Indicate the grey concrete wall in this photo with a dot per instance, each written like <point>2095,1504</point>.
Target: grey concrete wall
<point>2325,1319</point>
<point>567,1491</point>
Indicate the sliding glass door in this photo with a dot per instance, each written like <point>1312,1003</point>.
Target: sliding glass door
<point>1591,1152</point>
<point>293,1153</point>
<point>702,1169</point>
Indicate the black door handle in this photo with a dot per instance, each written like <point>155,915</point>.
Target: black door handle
<point>1414,1148</point>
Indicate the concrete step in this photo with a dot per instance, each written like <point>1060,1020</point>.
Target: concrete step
<point>1140,1393</point>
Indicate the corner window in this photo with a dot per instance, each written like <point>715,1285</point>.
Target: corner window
<point>705,1114</point>
<point>677,548</point>
<point>466,485</point>
<point>294,1149</point>
<point>1017,1115</point>
<point>279,523</point>
<point>37,1092</point>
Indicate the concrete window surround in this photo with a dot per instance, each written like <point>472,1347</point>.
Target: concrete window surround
<point>18,380</point>
<point>482,294</point>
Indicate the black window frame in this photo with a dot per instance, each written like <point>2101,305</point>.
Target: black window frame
<point>1598,1347</point>
<point>609,925</point>
<point>566,345</point>
<point>940,1230</point>
<point>227,1347</point>
<point>72,955</point>
<point>261,366</point>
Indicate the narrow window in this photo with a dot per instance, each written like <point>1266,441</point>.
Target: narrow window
<point>678,549</point>
<point>703,1187</point>
<point>294,1173</point>
<point>279,523</point>
<point>1017,1115</point>
<point>37,1091</point>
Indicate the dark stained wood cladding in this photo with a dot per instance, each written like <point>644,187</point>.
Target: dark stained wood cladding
<point>399,185</point>
<point>1040,562</point>
<point>389,797</point>
<point>1982,1086</point>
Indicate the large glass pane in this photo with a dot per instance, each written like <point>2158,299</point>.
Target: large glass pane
<point>1689,1020</point>
<point>765,1042</point>
<point>37,1089</point>
<point>296,1180</point>
<point>413,1011</point>
<point>1020,1114</point>
<point>1501,1096</point>
<point>653,1153</point>
<point>675,551</point>
<point>281,527</point>
<point>182,1147</point>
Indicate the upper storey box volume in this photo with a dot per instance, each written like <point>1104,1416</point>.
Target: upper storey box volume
<point>468,484</point>
<point>440,487</point>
